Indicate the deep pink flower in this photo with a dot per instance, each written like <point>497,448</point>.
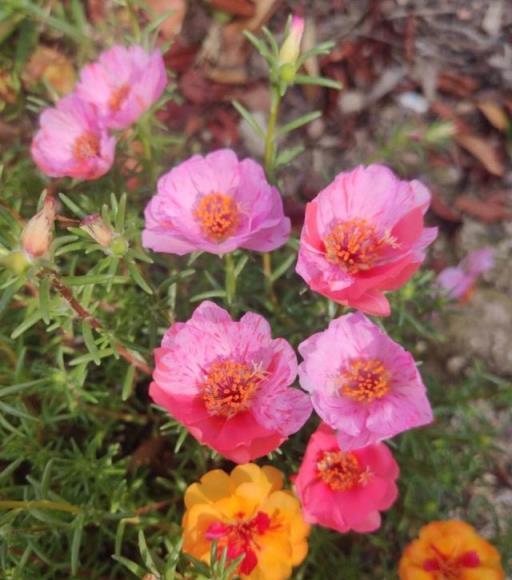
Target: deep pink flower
<point>215,204</point>
<point>345,490</point>
<point>363,384</point>
<point>458,281</point>
<point>227,382</point>
<point>71,141</point>
<point>363,235</point>
<point>123,83</point>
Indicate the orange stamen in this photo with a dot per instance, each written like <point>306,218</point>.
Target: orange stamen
<point>341,471</point>
<point>229,387</point>
<point>86,147</point>
<point>354,245</point>
<point>365,380</point>
<point>218,215</point>
<point>117,97</point>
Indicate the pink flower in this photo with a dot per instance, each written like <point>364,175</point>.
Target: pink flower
<point>345,490</point>
<point>215,204</point>
<point>363,384</point>
<point>364,234</point>
<point>123,83</point>
<point>71,142</point>
<point>458,281</point>
<point>227,382</point>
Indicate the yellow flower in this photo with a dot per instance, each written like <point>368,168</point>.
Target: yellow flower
<point>250,514</point>
<point>450,550</point>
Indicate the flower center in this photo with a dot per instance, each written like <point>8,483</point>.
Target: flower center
<point>341,471</point>
<point>449,568</point>
<point>240,538</point>
<point>86,147</point>
<point>117,97</point>
<point>365,380</point>
<point>218,216</point>
<point>229,387</point>
<point>354,245</point>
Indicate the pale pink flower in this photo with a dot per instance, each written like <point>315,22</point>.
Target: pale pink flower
<point>227,383</point>
<point>215,204</point>
<point>123,83</point>
<point>458,281</point>
<point>362,384</point>
<point>345,490</point>
<point>363,235</point>
<point>71,141</point>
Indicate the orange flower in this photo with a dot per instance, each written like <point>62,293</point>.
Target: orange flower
<point>450,550</point>
<point>250,514</point>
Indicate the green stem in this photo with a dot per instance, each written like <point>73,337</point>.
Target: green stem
<point>39,504</point>
<point>134,20</point>
<point>145,136</point>
<point>269,161</point>
<point>270,146</point>
<point>230,280</point>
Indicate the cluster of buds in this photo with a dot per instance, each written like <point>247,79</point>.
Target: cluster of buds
<point>111,242</point>
<point>289,52</point>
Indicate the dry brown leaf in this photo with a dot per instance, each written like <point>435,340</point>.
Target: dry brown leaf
<point>442,209</point>
<point>244,8</point>
<point>147,452</point>
<point>49,65</point>
<point>264,10</point>
<point>7,90</point>
<point>455,83</point>
<point>96,10</point>
<point>495,114</point>
<point>483,210</point>
<point>225,49</point>
<point>483,151</point>
<point>171,26</point>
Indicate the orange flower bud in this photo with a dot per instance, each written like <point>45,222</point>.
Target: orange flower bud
<point>38,233</point>
<point>98,230</point>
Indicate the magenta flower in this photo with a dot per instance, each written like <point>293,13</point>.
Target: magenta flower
<point>122,84</point>
<point>363,384</point>
<point>363,235</point>
<point>71,142</point>
<point>458,281</point>
<point>345,490</point>
<point>227,383</point>
<point>215,204</point>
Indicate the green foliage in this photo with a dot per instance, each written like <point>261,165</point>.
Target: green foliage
<point>92,474</point>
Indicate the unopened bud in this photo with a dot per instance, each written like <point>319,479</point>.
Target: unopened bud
<point>38,233</point>
<point>99,231</point>
<point>119,246</point>
<point>290,49</point>
<point>16,261</point>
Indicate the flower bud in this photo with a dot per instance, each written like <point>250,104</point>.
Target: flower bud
<point>290,49</point>
<point>16,261</point>
<point>38,233</point>
<point>99,231</point>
